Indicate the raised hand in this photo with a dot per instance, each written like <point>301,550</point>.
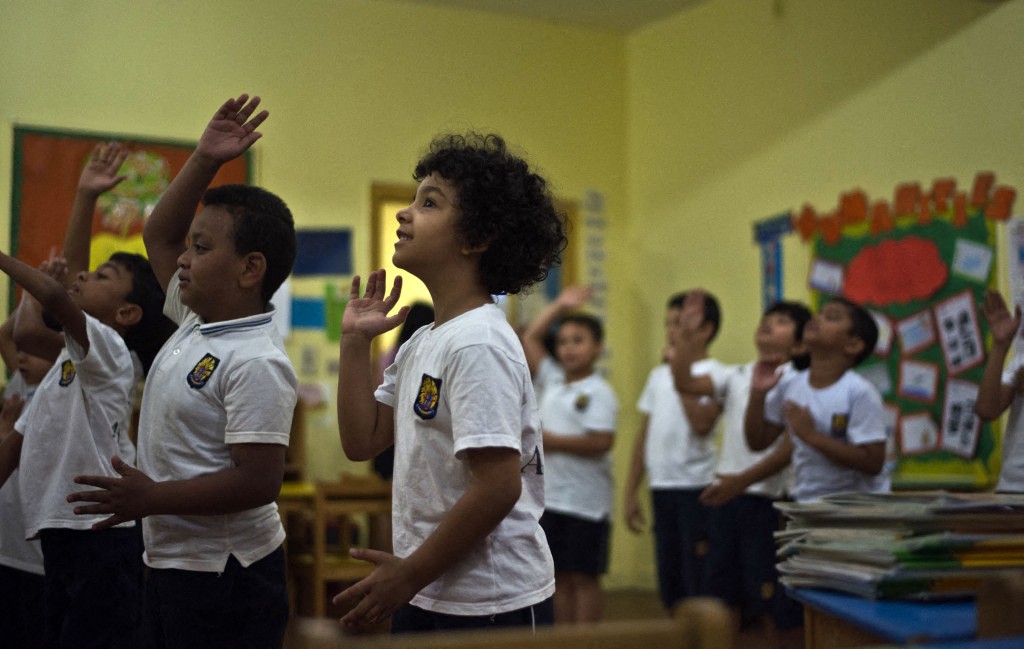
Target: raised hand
<point>123,498</point>
<point>232,129</point>
<point>1002,325</point>
<point>56,267</point>
<point>368,315</point>
<point>101,172</point>
<point>574,297</point>
<point>692,315</point>
<point>765,377</point>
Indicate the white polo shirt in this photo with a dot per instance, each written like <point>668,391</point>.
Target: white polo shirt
<point>1011,475</point>
<point>15,550</point>
<point>213,385</point>
<point>675,457</point>
<point>465,385</point>
<point>576,484</point>
<point>78,419</point>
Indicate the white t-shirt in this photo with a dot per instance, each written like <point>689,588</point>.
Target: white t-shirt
<point>79,419</point>
<point>1011,475</point>
<point>465,385</point>
<point>674,456</point>
<point>15,550</point>
<point>849,410</point>
<point>575,484</point>
<point>733,388</point>
<point>213,385</point>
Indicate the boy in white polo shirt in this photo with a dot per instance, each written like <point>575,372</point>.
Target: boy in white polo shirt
<point>457,402</point>
<point>578,412</point>
<point>216,412</point>
<point>675,447</point>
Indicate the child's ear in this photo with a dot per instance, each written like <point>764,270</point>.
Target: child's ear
<point>128,314</point>
<point>254,269</point>
<point>854,346</point>
<point>475,250</point>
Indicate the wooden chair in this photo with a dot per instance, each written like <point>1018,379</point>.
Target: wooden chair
<point>697,623</point>
<point>344,513</point>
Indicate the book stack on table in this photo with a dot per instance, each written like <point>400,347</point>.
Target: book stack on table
<point>932,545</point>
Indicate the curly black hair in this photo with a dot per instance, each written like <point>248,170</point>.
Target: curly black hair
<point>502,205</point>
<point>148,335</point>
<point>264,224</point>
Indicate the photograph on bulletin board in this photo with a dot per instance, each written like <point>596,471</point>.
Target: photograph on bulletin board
<point>921,266</point>
<point>47,166</point>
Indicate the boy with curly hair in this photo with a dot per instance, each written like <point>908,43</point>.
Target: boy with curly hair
<point>457,403</point>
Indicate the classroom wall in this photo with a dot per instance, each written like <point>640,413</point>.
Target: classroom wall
<point>692,128</point>
<point>738,111</point>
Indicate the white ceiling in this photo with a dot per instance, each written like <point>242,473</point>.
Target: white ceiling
<point>622,16</point>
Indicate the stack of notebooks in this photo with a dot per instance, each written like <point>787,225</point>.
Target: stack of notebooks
<point>902,545</point>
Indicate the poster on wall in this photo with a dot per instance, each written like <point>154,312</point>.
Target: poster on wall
<point>47,164</point>
<point>921,265</point>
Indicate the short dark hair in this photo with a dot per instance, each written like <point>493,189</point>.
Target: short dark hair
<point>712,312</point>
<point>800,315</point>
<point>263,224</point>
<point>148,335</point>
<point>501,204</point>
<point>863,327</point>
<point>586,321</point>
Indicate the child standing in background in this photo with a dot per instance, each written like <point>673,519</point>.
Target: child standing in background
<point>217,408</point>
<point>1001,389</point>
<point>578,411</point>
<point>80,416</point>
<point>676,448</point>
<point>833,415</point>
<point>742,519</point>
<point>21,561</point>
<point>457,403</point>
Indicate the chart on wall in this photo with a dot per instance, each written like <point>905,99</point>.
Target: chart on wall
<point>921,265</point>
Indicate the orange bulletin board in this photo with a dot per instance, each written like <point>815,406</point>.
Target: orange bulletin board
<point>47,164</point>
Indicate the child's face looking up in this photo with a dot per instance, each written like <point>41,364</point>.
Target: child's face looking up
<point>776,334</point>
<point>103,291</point>
<point>831,327</point>
<point>426,234</point>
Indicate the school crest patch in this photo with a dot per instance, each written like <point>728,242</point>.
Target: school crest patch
<point>202,372</point>
<point>67,373</point>
<point>582,401</point>
<point>839,423</point>
<point>428,397</point>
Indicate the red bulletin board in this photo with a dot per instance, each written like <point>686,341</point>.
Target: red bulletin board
<point>47,164</point>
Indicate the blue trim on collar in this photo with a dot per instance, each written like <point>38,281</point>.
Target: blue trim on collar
<point>250,322</point>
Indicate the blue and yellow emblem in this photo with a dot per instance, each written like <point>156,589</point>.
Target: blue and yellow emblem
<point>582,401</point>
<point>67,373</point>
<point>428,397</point>
<point>202,372</point>
<point>839,424</point>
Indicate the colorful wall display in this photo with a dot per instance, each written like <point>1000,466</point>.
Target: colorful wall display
<point>921,265</point>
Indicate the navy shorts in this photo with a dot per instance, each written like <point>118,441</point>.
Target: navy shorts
<point>741,554</point>
<point>577,545</point>
<point>240,607</point>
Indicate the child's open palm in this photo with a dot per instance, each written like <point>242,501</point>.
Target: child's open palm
<point>1002,325</point>
<point>368,315</point>
<point>101,172</point>
<point>765,377</point>
<point>231,131</point>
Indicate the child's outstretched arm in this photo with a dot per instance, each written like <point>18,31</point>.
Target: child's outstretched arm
<point>759,432</point>
<point>688,347</point>
<point>571,297</point>
<point>231,131</point>
<point>729,485</point>
<point>31,334</point>
<point>993,396</point>
<point>494,488</point>
<point>99,175</point>
<point>52,297</point>
<point>365,426</point>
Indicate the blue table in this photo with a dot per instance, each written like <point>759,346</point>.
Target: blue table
<point>895,621</point>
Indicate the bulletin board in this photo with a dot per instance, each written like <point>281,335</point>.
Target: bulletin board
<point>921,265</point>
<point>47,164</point>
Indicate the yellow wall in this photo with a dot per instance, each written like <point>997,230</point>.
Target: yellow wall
<point>692,129</point>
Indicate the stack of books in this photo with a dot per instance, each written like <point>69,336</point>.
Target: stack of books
<point>902,545</point>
